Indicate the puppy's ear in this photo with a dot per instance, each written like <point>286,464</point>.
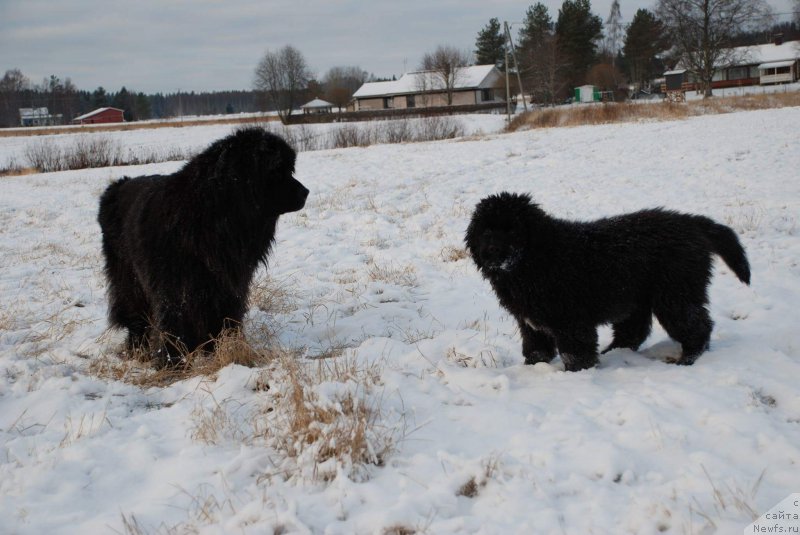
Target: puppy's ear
<point>472,242</point>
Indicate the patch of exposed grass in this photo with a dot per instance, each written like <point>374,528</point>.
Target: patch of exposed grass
<point>619,112</point>
<point>134,367</point>
<point>325,416</point>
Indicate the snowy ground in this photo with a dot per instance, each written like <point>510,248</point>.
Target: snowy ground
<point>374,269</point>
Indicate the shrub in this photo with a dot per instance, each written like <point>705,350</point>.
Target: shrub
<point>86,152</point>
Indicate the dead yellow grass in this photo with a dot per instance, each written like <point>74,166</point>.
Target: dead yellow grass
<point>115,127</point>
<point>325,430</point>
<point>620,112</point>
<point>18,171</point>
<point>135,368</point>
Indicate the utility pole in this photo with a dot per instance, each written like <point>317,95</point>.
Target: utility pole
<point>516,65</point>
<point>508,95</point>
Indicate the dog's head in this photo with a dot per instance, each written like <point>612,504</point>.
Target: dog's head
<point>498,231</point>
<point>257,164</point>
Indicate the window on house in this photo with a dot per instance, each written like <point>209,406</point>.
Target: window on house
<point>737,73</point>
<point>387,103</point>
<point>411,101</point>
<point>487,95</point>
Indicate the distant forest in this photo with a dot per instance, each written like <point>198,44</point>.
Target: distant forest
<point>62,97</point>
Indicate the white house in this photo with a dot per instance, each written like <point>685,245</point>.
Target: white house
<point>776,62</point>
<point>38,117</point>
<point>479,84</point>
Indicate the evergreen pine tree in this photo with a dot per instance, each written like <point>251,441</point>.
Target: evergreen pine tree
<point>536,26</point>
<point>99,98</point>
<point>578,30</point>
<point>644,42</point>
<point>490,45</point>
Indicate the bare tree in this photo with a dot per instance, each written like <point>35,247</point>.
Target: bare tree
<point>702,32</point>
<point>341,82</point>
<point>443,70</point>
<point>544,68</point>
<point>283,76</point>
<point>796,8</point>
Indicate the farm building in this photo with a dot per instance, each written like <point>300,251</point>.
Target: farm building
<point>101,116</point>
<point>773,63</point>
<point>38,117</point>
<point>479,84</point>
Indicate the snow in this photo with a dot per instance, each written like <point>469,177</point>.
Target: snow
<point>374,269</point>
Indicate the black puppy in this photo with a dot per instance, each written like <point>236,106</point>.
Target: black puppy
<point>561,279</point>
<point>181,249</point>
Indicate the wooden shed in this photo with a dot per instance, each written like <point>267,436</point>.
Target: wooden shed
<point>101,116</point>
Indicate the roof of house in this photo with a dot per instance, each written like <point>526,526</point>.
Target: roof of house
<point>27,113</point>
<point>474,77</point>
<point>317,103</point>
<point>760,54</point>
<point>95,112</point>
<point>770,53</point>
<point>776,64</point>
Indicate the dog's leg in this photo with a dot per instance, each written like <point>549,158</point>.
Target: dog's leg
<point>578,347</point>
<point>689,324</point>
<point>633,331</point>
<point>127,304</point>
<point>171,339</point>
<point>537,345</point>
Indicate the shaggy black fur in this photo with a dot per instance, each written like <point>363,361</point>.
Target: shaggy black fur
<point>561,279</point>
<point>181,249</point>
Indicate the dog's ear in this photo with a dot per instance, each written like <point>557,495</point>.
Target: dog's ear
<point>472,239</point>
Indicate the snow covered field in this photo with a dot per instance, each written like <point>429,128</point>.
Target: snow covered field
<point>373,270</point>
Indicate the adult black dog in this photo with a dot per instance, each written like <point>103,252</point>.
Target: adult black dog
<point>181,249</point>
<point>561,279</point>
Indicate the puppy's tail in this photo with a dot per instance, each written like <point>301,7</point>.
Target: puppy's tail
<point>726,244</point>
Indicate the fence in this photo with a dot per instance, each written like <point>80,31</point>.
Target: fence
<point>350,116</point>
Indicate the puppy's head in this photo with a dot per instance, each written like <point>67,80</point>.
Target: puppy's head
<point>498,231</point>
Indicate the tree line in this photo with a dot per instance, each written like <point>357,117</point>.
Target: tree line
<point>63,98</point>
<point>578,47</point>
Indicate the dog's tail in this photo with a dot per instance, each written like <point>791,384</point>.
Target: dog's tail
<point>726,244</point>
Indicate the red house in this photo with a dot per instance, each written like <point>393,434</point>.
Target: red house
<point>101,115</point>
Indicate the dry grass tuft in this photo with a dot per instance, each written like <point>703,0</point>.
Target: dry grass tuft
<point>485,359</point>
<point>473,485</point>
<point>391,274</point>
<point>619,112</point>
<point>468,489</point>
<point>727,499</point>
<point>324,415</point>
<point>450,253</point>
<point>230,347</point>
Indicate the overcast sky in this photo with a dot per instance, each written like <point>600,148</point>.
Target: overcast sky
<point>167,45</point>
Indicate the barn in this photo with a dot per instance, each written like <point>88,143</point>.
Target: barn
<point>100,116</point>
